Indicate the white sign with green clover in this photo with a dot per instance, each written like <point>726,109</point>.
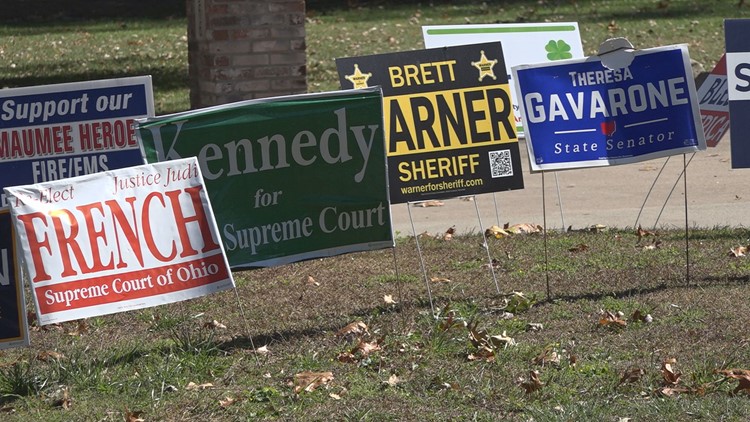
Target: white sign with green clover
<point>523,43</point>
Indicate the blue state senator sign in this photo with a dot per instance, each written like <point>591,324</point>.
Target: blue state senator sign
<point>579,113</point>
<point>737,34</point>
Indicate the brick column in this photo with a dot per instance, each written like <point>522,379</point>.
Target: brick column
<point>245,49</point>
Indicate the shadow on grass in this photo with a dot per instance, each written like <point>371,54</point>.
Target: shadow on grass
<point>246,342</point>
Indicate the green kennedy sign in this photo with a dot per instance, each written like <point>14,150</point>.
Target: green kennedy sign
<point>289,178</point>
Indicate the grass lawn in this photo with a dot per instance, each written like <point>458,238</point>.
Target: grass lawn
<point>622,335</point>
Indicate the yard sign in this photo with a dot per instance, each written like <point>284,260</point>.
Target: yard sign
<point>579,113</point>
<point>50,132</point>
<point>13,327</point>
<point>737,37</point>
<point>449,120</point>
<point>118,240</point>
<point>714,103</point>
<point>290,178</point>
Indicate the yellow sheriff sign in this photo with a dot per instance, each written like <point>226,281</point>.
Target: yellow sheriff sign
<point>450,127</point>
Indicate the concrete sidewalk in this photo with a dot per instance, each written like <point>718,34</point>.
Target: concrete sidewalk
<point>717,196</point>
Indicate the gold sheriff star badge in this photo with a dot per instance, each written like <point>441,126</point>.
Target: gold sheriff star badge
<point>485,67</point>
<point>358,79</point>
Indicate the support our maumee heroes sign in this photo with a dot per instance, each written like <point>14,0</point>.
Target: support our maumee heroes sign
<point>290,178</point>
<point>118,240</point>
<point>579,113</point>
<point>450,127</point>
<point>51,132</point>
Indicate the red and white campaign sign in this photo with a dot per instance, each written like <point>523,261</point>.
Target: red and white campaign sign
<point>119,240</point>
<point>714,103</point>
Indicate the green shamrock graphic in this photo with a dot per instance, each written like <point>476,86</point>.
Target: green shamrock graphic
<point>558,50</point>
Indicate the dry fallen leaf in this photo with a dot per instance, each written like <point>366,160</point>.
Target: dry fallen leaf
<point>134,416</point>
<point>671,378</point>
<point>353,329</point>
<point>82,327</point>
<point>263,350</point>
<point>547,357</point>
<point>440,280</point>
<point>64,400</point>
<point>448,235</point>
<point>638,316</point>
<point>393,380</point>
<point>193,386</point>
<point>478,338</point>
<point>532,384</point>
<point>424,234</point>
<point>388,299</point>
<point>365,348</point>
<point>741,375</point>
<point>738,251</point>
<point>484,353</point>
<point>450,321</point>
<point>671,391</point>
<point>346,357</point>
<point>309,381</point>
<point>310,281</point>
<point>227,401</point>
<point>579,248</point>
<point>523,228</point>
<point>334,396</point>
<point>632,374</point>
<point>496,232</point>
<point>502,341</point>
<point>609,319</point>
<point>655,244</point>
<point>534,326</point>
<point>362,350</point>
<point>46,355</point>
<point>641,233</point>
<point>215,325</point>
<point>594,228</point>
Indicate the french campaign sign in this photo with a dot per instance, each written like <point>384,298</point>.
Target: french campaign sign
<point>118,240</point>
<point>579,113</point>
<point>737,35</point>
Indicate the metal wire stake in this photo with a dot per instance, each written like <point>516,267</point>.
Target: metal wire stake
<point>421,260</point>
<point>486,246</point>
